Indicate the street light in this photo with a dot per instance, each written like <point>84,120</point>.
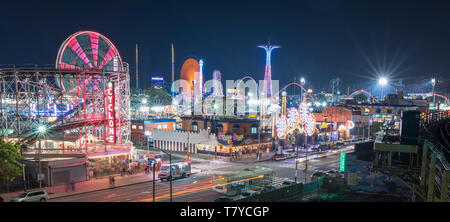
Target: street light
<point>170,171</point>
<point>433,82</point>
<point>144,101</point>
<point>382,81</point>
<point>302,82</point>
<point>42,130</point>
<point>148,134</point>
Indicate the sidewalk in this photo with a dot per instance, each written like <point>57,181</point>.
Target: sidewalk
<point>87,186</point>
<point>200,157</point>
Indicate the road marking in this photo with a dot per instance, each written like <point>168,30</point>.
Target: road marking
<point>110,196</point>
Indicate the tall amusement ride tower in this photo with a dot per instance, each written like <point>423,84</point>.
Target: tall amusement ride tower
<point>267,88</point>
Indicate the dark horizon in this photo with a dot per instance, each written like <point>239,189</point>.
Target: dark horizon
<point>355,40</point>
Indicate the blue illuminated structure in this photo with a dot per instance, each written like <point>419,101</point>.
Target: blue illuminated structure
<point>267,88</point>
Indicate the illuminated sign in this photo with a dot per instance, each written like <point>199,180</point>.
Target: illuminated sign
<point>110,115</point>
<point>230,137</point>
<point>342,164</point>
<point>350,124</point>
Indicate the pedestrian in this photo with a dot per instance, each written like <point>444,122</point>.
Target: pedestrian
<point>110,180</point>
<point>73,185</point>
<point>145,168</point>
<point>113,180</point>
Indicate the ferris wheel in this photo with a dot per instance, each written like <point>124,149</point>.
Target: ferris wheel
<point>87,50</point>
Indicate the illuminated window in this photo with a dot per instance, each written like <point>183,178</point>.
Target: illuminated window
<point>254,130</point>
<point>159,126</point>
<point>165,126</point>
<point>141,127</point>
<point>194,126</point>
<point>133,127</point>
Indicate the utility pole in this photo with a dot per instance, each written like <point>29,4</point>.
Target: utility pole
<point>173,70</point>
<point>306,156</point>
<point>137,68</point>
<point>296,159</point>
<point>433,82</point>
<point>154,184</point>
<point>259,145</point>
<point>170,171</point>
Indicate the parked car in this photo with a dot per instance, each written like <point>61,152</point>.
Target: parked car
<point>288,183</point>
<point>334,173</point>
<point>249,193</point>
<point>223,199</point>
<point>32,196</point>
<point>316,175</point>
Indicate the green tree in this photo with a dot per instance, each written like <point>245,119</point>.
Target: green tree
<point>154,97</point>
<point>10,161</point>
<point>376,127</point>
<point>361,98</point>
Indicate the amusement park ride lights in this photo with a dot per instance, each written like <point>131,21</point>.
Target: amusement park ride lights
<point>296,119</point>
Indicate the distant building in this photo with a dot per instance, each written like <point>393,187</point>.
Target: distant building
<point>157,81</point>
<point>219,137</point>
<point>142,130</point>
<point>334,123</point>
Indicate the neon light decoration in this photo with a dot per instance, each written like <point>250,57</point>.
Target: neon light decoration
<point>310,123</point>
<point>110,114</point>
<point>292,117</point>
<point>350,124</point>
<point>281,127</point>
<point>89,50</point>
<point>301,119</point>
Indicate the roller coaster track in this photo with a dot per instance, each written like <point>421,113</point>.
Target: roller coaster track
<point>362,91</point>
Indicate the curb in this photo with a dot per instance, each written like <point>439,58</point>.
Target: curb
<point>73,194</point>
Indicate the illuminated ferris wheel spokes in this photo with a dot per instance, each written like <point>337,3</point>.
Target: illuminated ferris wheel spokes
<point>88,50</point>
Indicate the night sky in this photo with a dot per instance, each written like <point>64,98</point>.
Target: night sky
<point>320,39</point>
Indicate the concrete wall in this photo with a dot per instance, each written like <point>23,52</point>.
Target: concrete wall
<point>182,141</point>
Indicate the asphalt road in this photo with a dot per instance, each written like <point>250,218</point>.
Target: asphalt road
<point>198,186</point>
<point>192,188</point>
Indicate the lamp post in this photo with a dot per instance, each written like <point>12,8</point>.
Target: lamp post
<point>296,159</point>
<point>382,81</point>
<point>154,178</point>
<point>302,82</point>
<point>42,129</point>
<point>170,171</point>
<point>147,133</point>
<point>433,82</point>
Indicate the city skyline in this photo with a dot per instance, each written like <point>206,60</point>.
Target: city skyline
<point>311,47</point>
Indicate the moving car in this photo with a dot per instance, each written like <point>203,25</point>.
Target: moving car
<point>32,196</point>
<point>179,170</point>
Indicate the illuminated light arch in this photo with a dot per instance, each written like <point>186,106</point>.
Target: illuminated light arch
<point>242,79</point>
<point>296,119</point>
<point>362,91</point>
<point>294,83</point>
<point>88,50</point>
